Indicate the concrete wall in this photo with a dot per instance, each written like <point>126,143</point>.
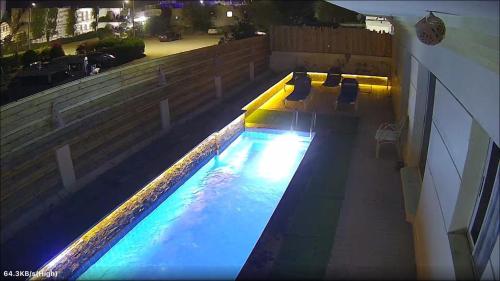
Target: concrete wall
<point>105,118</point>
<point>465,119</point>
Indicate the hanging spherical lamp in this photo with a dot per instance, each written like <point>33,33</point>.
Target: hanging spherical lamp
<point>430,30</point>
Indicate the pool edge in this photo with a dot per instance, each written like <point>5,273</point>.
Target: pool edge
<point>99,238</point>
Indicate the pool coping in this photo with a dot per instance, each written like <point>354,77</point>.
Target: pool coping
<point>98,239</point>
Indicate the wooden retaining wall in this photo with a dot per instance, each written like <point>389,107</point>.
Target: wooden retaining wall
<point>102,117</point>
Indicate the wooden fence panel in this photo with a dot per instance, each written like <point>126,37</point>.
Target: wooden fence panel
<point>354,41</point>
<point>107,114</point>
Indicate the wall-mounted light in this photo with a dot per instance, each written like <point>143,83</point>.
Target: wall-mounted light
<point>229,14</point>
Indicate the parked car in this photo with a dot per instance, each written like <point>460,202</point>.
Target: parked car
<point>120,35</point>
<point>101,60</point>
<point>169,36</point>
<point>214,31</point>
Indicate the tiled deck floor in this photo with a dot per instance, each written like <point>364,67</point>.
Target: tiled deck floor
<point>373,240</point>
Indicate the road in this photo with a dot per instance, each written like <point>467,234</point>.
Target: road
<point>155,49</point>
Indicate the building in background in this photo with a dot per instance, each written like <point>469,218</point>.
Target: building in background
<point>379,24</point>
<point>4,30</point>
<point>62,22</point>
<point>84,19</point>
<point>112,16</point>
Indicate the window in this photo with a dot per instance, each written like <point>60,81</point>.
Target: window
<point>484,225</point>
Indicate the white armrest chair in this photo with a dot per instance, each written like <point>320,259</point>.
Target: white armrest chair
<point>389,133</point>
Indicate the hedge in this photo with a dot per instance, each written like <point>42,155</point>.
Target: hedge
<point>123,49</point>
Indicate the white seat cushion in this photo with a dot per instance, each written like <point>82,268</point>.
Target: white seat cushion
<point>387,135</point>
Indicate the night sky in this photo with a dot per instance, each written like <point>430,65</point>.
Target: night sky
<point>75,3</point>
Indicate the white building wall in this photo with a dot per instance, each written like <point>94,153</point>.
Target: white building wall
<point>432,250</point>
<point>466,95</point>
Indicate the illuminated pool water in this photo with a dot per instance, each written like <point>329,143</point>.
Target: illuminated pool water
<point>208,227</point>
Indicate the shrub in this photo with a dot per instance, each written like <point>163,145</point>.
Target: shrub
<point>10,63</point>
<point>243,29</point>
<point>56,51</point>
<point>44,54</point>
<point>29,57</point>
<point>86,47</point>
<point>105,32</point>
<point>107,43</point>
<point>123,49</point>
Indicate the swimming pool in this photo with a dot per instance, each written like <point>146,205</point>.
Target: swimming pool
<point>208,227</point>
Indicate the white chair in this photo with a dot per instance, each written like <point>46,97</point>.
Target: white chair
<point>389,133</point>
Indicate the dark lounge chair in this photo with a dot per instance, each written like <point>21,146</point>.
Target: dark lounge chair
<point>348,93</point>
<point>301,90</point>
<point>333,77</point>
<point>297,73</point>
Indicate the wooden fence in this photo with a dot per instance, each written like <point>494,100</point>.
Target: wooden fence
<point>340,40</point>
<point>52,140</point>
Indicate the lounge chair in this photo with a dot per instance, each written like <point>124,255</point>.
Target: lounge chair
<point>389,133</point>
<point>348,93</point>
<point>300,92</point>
<point>333,77</point>
<point>297,73</point>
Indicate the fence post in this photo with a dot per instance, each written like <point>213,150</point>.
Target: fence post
<point>218,86</point>
<point>252,70</point>
<point>161,77</point>
<point>165,115</point>
<point>217,76</point>
<point>251,65</point>
<point>65,164</point>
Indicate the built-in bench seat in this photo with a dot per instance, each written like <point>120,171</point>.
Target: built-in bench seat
<point>411,183</point>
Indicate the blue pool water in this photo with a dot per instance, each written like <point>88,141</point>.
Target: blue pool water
<point>208,227</point>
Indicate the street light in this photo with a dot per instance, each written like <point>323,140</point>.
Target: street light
<point>133,15</point>
<point>33,4</point>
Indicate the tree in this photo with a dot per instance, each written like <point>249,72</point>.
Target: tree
<point>296,12</point>
<point>29,57</point>
<point>159,24</point>
<point>15,21</point>
<point>95,23</point>
<point>243,29</point>
<point>329,14</point>
<point>71,21</point>
<point>197,15</point>
<point>38,22</point>
<point>51,23</point>
<point>264,13</point>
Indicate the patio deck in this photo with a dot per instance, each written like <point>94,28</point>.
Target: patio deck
<point>357,212</point>
<point>344,216</point>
